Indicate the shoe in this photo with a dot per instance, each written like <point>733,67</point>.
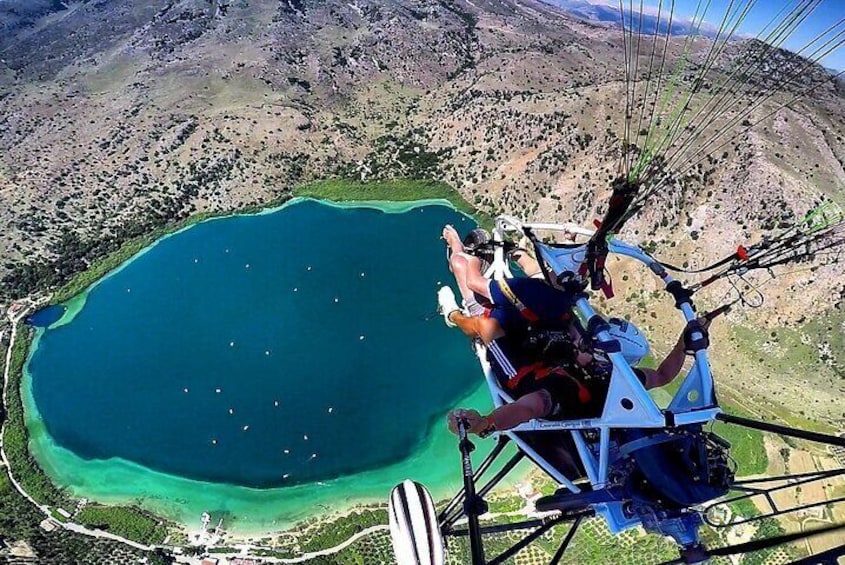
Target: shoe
<point>446,304</point>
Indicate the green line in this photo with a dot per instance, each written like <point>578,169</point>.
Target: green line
<point>648,154</point>
<point>822,217</point>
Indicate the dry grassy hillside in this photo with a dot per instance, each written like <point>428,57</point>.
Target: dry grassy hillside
<point>117,117</point>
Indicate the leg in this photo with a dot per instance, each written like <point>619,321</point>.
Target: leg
<point>524,257</point>
<point>528,264</point>
<point>453,240</point>
<point>468,275</point>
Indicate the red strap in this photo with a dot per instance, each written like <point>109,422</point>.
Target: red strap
<point>529,315</point>
<point>541,371</point>
<point>742,253</point>
<point>597,223</point>
<point>584,395</point>
<point>522,373</point>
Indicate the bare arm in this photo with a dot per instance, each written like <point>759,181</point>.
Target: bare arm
<point>668,369</point>
<point>672,364</point>
<point>531,406</point>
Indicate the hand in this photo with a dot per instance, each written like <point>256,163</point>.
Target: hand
<point>474,420</point>
<point>699,325</point>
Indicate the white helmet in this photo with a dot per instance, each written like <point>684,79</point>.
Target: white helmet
<point>633,342</point>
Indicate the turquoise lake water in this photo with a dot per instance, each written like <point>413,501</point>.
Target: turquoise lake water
<point>274,352</point>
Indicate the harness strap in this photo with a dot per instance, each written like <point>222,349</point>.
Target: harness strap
<point>517,303</point>
<point>541,371</point>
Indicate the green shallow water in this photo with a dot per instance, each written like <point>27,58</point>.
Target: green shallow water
<point>248,510</point>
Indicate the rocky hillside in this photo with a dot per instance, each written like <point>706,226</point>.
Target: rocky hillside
<point>116,117</point>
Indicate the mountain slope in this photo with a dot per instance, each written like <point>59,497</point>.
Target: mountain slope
<point>117,117</point>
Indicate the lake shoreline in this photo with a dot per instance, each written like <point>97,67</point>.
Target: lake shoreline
<point>40,445</point>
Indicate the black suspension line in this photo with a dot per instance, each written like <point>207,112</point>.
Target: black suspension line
<point>783,430</point>
<point>727,128</point>
<point>715,108</point>
<point>623,157</point>
<point>651,67</point>
<point>636,81</point>
<point>713,54</point>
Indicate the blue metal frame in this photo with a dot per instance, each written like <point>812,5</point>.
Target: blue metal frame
<point>628,404</point>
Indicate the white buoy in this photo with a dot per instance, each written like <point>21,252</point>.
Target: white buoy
<point>231,344</point>
<point>196,260</point>
<point>128,290</point>
<point>295,289</point>
<point>246,266</point>
<point>287,451</point>
<point>217,390</point>
<point>275,403</point>
<point>286,475</point>
<point>331,409</point>
<point>361,338</point>
<point>226,250</point>
<point>362,274</point>
<point>267,352</point>
<point>231,410</point>
<point>309,267</point>
<point>246,427</point>
<point>305,437</point>
<point>336,299</point>
<point>214,442</point>
<point>186,390</point>
<point>313,456</point>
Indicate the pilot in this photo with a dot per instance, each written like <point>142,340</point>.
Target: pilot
<point>508,314</point>
<point>572,392</point>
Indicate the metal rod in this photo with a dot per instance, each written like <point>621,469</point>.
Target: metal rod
<point>521,544</point>
<point>474,506</point>
<point>777,511</point>
<point>774,428</point>
<point>829,557</point>
<point>569,535</point>
<point>812,475</point>
<point>498,528</point>
<point>449,520</point>
<point>494,453</point>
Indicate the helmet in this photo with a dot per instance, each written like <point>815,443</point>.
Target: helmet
<point>633,342</point>
<point>475,238</point>
<point>475,243</point>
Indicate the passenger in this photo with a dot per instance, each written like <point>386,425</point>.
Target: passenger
<point>499,307</point>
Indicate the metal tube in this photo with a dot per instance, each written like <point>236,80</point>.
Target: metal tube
<point>473,505</point>
<point>499,528</point>
<point>774,428</point>
<point>494,453</point>
<point>587,458</point>
<point>604,456</point>
<point>521,544</point>
<point>454,515</point>
<point>565,543</point>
